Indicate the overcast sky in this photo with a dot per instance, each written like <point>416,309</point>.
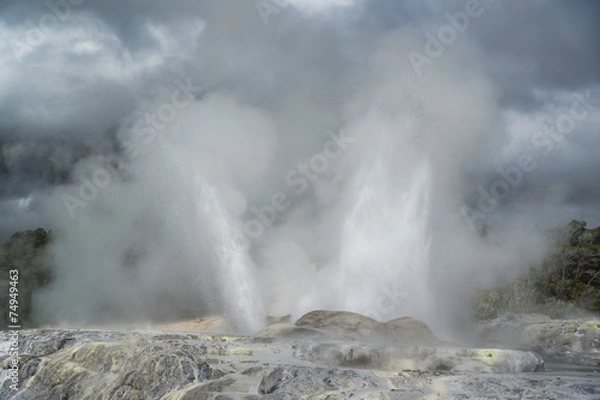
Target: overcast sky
<point>67,84</point>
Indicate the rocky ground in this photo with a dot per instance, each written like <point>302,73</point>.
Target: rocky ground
<point>324,355</point>
<point>568,341</point>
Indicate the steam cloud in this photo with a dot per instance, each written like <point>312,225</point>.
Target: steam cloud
<point>194,159</point>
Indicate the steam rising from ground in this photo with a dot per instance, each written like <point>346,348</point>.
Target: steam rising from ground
<point>371,226</point>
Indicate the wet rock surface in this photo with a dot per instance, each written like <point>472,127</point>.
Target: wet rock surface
<point>60,364</point>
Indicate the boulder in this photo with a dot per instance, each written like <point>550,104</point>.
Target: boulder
<point>351,326</point>
<point>407,330</point>
<point>344,325</point>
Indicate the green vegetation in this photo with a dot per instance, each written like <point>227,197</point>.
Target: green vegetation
<point>27,252</point>
<point>568,280</point>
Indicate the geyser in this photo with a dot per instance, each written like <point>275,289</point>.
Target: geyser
<point>380,267</point>
<point>384,260</point>
<point>235,268</point>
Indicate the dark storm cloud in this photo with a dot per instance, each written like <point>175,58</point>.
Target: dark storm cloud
<point>529,48</point>
<point>526,46</point>
<point>541,45</point>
